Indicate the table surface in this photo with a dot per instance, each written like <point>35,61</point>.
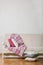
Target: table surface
<point>19,62</point>
<point>12,61</point>
<point>22,62</point>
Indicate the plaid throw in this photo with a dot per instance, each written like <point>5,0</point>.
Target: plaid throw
<point>17,38</point>
<point>21,46</point>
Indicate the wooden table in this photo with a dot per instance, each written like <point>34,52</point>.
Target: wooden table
<point>22,62</point>
<point>19,62</point>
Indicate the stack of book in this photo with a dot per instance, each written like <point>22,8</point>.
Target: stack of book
<point>12,55</point>
<point>32,56</point>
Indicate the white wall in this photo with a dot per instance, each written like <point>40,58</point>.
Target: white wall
<point>21,16</point>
